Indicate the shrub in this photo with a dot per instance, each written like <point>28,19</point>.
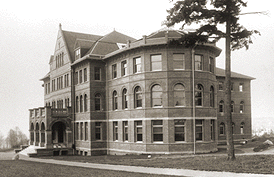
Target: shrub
<point>261,147</point>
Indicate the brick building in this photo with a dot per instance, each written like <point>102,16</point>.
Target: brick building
<point>117,95</point>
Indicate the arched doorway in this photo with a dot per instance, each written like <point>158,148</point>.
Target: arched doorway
<point>58,133</point>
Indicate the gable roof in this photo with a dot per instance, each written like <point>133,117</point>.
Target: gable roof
<point>71,37</point>
<point>221,73</point>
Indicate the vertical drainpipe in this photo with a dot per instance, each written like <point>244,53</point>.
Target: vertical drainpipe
<point>193,97</point>
<point>107,106</point>
<point>72,104</point>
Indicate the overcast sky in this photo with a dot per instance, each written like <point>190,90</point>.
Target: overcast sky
<point>28,31</point>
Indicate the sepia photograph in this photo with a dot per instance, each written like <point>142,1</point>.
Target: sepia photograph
<point>137,88</point>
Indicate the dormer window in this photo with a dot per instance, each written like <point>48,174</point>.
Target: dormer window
<point>77,54</point>
<point>121,45</point>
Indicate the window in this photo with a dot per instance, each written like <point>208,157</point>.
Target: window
<point>179,95</point>
<point>77,54</point>
<point>242,107</point>
<point>97,101</point>
<point>124,68</point>
<point>221,106</point>
<point>137,65</point>
<point>97,73</point>
<point>212,130</point>
<point>65,80</point>
<point>232,106</point>
<point>115,131</point>
<point>232,86</point>
<point>48,87</point>
<point>80,76</point>
<point>76,78</point>
<point>81,103</point>
<point>222,128</point>
<point>211,64</point>
<point>85,75</point>
<point>137,97</point>
<point>86,131</point>
<point>198,62</point>
<point>178,61</point>
<point>199,95</point>
<point>77,104</point>
<point>115,100</point>
<point>37,133</point>
<point>221,85</point>
<point>199,130</point>
<point>85,103</point>
<point>157,130</point>
<point>241,87</point>
<point>114,71</point>
<point>156,96</point>
<point>156,62</point>
<point>77,131</point>
<point>125,131</point>
<point>211,95</point>
<point>98,130</point>
<point>125,99</point>
<point>179,126</point>
<point>81,131</point>
<point>242,128</point>
<point>138,131</point>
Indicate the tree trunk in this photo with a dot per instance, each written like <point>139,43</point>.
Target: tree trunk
<point>228,115</point>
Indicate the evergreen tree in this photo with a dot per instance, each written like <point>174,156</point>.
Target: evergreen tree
<point>211,15</point>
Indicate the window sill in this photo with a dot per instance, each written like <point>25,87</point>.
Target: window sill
<point>157,107</point>
<point>158,142</point>
<point>139,142</point>
<point>180,141</point>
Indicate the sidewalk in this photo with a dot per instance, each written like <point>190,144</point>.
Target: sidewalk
<point>148,170</point>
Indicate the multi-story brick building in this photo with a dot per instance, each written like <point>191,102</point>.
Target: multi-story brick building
<point>117,95</point>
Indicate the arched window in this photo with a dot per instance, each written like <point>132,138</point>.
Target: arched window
<point>233,125</point>
<point>242,107</point>
<point>199,95</point>
<point>81,103</point>
<point>37,133</point>
<point>156,96</point>
<point>242,127</point>
<point>31,127</point>
<point>42,132</point>
<point>211,96</point>
<point>115,100</point>
<point>221,106</point>
<point>97,101</point>
<point>179,95</point>
<point>31,133</point>
<point>232,106</point>
<point>37,126</point>
<point>125,99</point>
<point>222,128</point>
<point>137,97</point>
<point>77,104</point>
<point>85,103</point>
<point>42,126</point>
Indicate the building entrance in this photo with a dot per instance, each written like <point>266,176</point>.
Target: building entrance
<point>58,133</point>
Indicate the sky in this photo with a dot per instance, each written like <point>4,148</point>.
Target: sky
<point>28,32</point>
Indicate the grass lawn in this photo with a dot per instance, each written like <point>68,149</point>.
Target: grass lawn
<point>259,164</point>
<point>28,169</point>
